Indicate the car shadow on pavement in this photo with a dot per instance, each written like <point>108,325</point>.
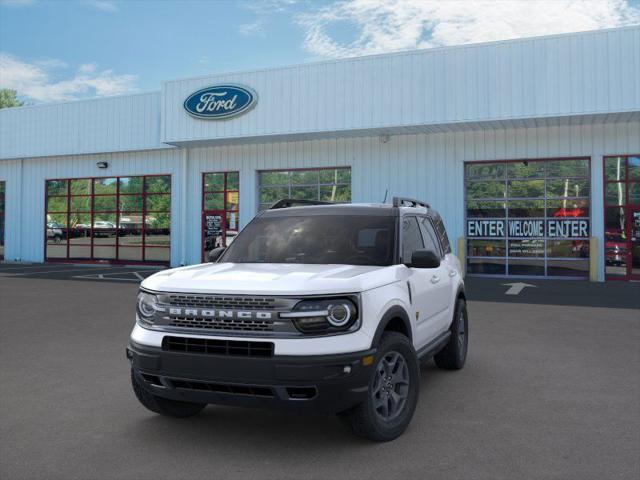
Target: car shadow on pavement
<point>260,430</point>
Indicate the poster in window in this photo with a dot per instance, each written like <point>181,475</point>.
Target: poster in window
<point>213,237</point>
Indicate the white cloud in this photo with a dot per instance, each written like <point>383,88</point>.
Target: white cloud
<point>51,63</point>
<point>389,25</point>
<point>252,29</point>
<point>104,5</point>
<point>269,6</point>
<point>36,81</point>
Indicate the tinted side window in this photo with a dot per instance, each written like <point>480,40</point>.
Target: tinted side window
<point>411,238</point>
<point>442,233</point>
<point>430,239</point>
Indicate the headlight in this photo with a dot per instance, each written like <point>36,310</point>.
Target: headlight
<point>329,315</point>
<point>146,307</point>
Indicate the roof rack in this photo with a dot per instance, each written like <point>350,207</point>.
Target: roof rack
<point>292,202</point>
<point>409,202</point>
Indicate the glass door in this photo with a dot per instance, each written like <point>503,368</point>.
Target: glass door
<point>622,217</point>
<point>634,240</point>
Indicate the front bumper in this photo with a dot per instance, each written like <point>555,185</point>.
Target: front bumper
<point>317,384</point>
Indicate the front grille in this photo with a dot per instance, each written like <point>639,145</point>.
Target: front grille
<point>252,390</point>
<point>218,347</point>
<point>251,316</point>
<point>222,324</point>
<point>223,302</point>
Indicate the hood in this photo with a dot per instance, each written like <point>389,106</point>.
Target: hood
<point>271,279</point>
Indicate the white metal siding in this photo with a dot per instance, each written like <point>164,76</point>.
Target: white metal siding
<point>11,174</point>
<point>425,166</point>
<point>547,77</point>
<point>25,203</point>
<point>90,126</point>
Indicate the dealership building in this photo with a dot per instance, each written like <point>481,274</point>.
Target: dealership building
<point>529,149</point>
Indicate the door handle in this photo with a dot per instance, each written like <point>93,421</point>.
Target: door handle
<point>435,279</point>
<point>452,273</point>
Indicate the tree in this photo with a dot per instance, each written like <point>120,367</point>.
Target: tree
<point>8,98</point>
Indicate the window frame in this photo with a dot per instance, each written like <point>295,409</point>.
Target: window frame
<point>506,199</point>
<point>436,238</point>
<point>3,216</point>
<point>402,218</point>
<point>225,211</point>
<point>627,206</point>
<point>289,185</point>
<point>117,212</point>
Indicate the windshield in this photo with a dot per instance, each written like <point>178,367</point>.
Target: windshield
<point>318,239</point>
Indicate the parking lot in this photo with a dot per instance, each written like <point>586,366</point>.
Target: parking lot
<point>551,390</point>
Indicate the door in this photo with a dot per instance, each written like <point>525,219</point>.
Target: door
<point>220,209</point>
<point>634,243</point>
<point>444,283</point>
<point>428,285</point>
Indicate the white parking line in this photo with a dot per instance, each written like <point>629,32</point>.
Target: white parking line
<point>14,274</point>
<point>111,276</point>
<point>25,267</point>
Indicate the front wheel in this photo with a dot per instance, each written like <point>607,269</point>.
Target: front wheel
<point>164,406</point>
<point>454,353</point>
<point>392,395</point>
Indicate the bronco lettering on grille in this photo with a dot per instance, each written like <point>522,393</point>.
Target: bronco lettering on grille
<point>211,313</point>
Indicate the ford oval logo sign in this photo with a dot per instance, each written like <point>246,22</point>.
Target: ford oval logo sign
<point>220,101</point>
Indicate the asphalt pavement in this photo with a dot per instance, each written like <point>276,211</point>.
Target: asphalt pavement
<point>551,390</point>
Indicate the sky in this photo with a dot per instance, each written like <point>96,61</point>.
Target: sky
<point>59,50</point>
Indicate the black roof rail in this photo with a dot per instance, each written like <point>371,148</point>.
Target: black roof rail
<point>409,202</point>
<point>292,202</point>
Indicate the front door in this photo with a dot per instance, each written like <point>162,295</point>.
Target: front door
<point>634,243</point>
<point>220,210</point>
<point>428,285</point>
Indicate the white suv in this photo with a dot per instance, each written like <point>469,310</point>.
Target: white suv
<point>322,308</point>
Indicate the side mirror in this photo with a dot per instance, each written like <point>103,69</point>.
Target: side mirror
<point>425,259</point>
<point>214,254</point>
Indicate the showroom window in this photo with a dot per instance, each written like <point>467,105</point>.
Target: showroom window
<point>117,219</point>
<point>2,210</point>
<point>220,209</point>
<point>529,218</point>
<point>622,217</point>
<point>326,184</point>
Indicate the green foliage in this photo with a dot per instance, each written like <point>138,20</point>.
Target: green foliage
<point>8,98</point>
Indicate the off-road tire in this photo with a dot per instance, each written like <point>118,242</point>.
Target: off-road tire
<point>454,353</point>
<point>363,419</point>
<point>164,406</point>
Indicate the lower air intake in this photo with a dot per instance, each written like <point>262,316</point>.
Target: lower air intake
<point>251,390</point>
<point>217,347</point>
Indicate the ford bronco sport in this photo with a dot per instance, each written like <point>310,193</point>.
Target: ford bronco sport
<point>322,308</point>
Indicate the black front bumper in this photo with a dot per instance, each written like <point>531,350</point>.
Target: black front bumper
<point>318,384</point>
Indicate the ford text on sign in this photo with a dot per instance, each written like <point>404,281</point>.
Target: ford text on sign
<point>220,101</point>
<point>534,228</point>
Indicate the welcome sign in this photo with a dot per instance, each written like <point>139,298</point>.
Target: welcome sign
<point>219,102</point>
<point>529,228</point>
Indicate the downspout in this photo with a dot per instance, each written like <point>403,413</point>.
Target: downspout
<point>18,235</point>
<point>184,210</point>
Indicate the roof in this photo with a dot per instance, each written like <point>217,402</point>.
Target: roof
<point>551,80</point>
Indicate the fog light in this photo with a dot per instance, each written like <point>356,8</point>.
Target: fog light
<point>368,360</point>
